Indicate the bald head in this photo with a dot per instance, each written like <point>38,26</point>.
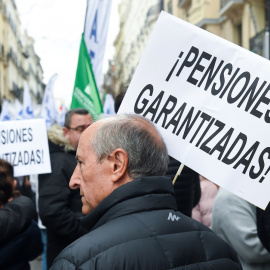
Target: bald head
<point>150,129</point>
<point>144,146</point>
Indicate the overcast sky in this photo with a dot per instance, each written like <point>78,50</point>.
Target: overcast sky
<point>56,26</point>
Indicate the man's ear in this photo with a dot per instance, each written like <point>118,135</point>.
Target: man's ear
<point>65,132</point>
<point>118,164</point>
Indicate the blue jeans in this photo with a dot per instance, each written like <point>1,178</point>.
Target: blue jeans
<point>44,241</point>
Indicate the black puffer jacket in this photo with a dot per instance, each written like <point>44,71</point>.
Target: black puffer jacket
<point>59,206</point>
<point>20,238</point>
<point>15,217</point>
<point>138,227</point>
<point>187,187</point>
<point>16,253</point>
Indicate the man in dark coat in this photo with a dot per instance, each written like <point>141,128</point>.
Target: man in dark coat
<point>59,206</point>
<point>132,216</point>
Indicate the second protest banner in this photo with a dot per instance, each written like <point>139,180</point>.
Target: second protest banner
<point>209,99</point>
<point>24,144</point>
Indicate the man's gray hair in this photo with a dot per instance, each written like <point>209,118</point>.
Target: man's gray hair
<point>147,152</point>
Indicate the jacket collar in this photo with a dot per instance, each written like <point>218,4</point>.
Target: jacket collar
<point>142,194</point>
<point>59,143</point>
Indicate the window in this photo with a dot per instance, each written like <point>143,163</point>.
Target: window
<point>170,7</point>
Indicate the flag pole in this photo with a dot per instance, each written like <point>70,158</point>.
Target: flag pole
<point>85,16</point>
<point>181,167</point>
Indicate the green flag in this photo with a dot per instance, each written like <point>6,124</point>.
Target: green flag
<point>85,93</point>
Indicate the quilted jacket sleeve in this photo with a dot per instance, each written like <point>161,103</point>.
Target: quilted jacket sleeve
<point>234,220</point>
<point>15,216</point>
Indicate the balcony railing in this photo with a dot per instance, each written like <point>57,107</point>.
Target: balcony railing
<point>183,3</point>
<point>16,91</point>
<point>225,5</point>
<point>180,2</point>
<point>256,44</point>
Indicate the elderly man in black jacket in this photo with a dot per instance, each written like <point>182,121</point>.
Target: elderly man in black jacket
<point>132,216</point>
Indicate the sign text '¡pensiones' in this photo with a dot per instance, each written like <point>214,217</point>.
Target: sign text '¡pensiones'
<point>224,81</point>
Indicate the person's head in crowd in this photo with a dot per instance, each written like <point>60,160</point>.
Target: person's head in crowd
<point>114,151</point>
<point>119,98</point>
<point>76,121</point>
<point>7,183</point>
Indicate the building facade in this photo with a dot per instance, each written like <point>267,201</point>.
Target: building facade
<point>18,60</point>
<point>235,20</point>
<point>242,22</point>
<point>137,19</point>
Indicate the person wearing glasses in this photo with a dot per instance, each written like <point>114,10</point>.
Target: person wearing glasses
<point>59,206</point>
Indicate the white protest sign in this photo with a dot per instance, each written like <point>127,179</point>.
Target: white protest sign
<point>24,144</point>
<point>210,100</point>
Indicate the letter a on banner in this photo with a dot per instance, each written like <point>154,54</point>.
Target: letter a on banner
<point>95,34</point>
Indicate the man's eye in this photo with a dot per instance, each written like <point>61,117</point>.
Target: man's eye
<point>80,129</point>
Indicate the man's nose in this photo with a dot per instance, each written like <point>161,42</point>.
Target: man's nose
<point>75,178</point>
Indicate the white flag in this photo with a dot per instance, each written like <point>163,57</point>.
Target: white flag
<point>19,109</point>
<point>48,108</point>
<point>5,114</point>
<point>108,107</point>
<point>95,34</point>
<point>28,111</point>
<point>61,116</point>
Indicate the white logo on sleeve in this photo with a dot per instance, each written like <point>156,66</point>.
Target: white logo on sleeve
<point>173,217</point>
